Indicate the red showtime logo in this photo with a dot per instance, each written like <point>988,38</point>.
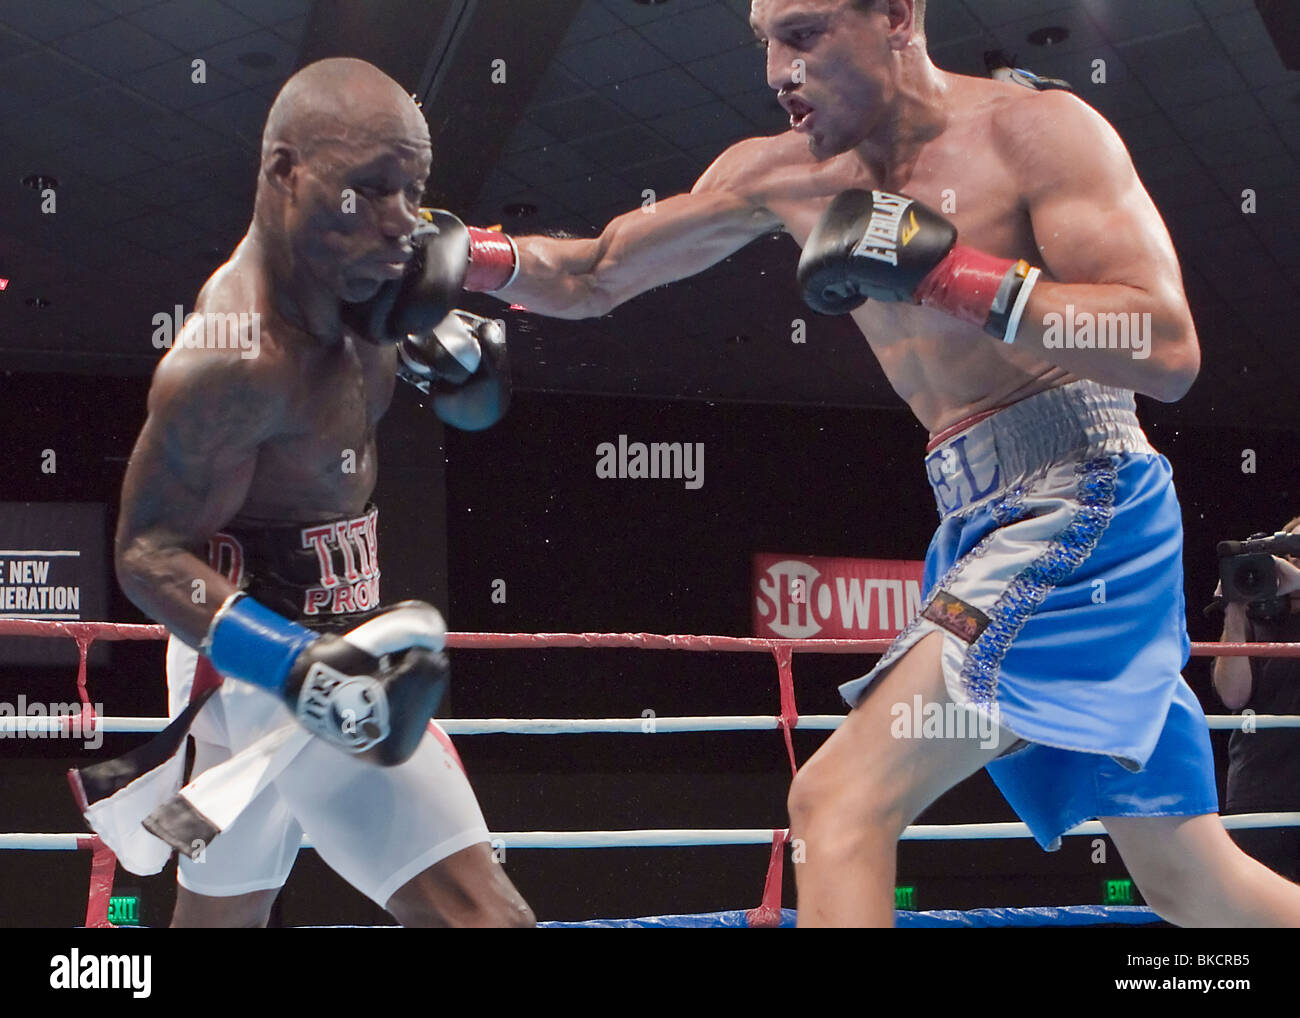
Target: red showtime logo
<point>800,596</point>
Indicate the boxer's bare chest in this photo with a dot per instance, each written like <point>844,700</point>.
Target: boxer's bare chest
<point>943,368</point>
<point>960,174</point>
<point>324,461</point>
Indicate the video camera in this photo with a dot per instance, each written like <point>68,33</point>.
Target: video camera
<point>1249,575</point>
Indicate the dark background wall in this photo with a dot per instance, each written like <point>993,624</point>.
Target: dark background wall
<point>580,553</point>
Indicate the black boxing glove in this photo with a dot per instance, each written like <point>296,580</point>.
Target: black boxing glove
<point>462,365</point>
<point>874,244</point>
<point>427,290</point>
<point>449,257</point>
<point>370,692</point>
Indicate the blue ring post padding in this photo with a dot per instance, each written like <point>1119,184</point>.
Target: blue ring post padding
<point>979,918</point>
<point>251,643</point>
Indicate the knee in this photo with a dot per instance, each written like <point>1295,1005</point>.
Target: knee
<point>822,798</point>
<point>517,917</point>
<point>806,796</point>
<point>497,913</point>
<point>1169,895</point>
<point>1166,905</point>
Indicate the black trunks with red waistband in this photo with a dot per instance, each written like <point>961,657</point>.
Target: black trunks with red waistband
<point>324,575</point>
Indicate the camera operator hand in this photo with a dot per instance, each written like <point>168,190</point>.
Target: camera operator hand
<point>1288,576</point>
<point>1232,675</point>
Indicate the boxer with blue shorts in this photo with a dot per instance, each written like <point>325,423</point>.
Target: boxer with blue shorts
<point>996,249</point>
<point>1055,579</point>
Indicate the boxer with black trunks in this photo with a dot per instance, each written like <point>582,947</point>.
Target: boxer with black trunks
<point>246,527</point>
<point>1047,490</point>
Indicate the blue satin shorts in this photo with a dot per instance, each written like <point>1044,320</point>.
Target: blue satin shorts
<point>1056,580</point>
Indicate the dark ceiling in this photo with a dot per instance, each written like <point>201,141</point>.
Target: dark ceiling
<point>602,100</point>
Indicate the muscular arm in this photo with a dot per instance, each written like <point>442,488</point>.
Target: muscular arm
<point>1232,675</point>
<point>663,242</point>
<point>188,476</point>
<point>1098,231</point>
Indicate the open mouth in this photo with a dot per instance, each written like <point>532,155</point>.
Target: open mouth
<point>800,113</point>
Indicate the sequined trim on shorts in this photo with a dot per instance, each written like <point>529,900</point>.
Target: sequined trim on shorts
<point>1006,510</point>
<point>1009,508</point>
<point>1027,592</point>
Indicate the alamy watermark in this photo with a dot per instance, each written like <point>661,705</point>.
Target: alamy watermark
<point>1084,330</point>
<point>209,330</point>
<point>658,460</point>
<point>918,719</point>
<point>77,971</point>
<point>29,719</point>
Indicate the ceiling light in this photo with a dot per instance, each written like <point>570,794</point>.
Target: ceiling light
<point>1053,35</point>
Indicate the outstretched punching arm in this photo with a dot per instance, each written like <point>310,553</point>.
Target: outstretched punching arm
<point>659,243</point>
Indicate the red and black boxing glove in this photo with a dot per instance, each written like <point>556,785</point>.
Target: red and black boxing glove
<point>875,244</point>
<point>449,258</point>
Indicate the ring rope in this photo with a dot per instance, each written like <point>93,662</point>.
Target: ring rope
<point>696,838</point>
<point>35,724</point>
<point>769,913</point>
<point>639,641</point>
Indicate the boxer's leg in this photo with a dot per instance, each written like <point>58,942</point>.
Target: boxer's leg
<point>467,888</point>
<point>850,803</point>
<point>241,911</point>
<point>1191,873</point>
<point>411,838</point>
<point>235,880</point>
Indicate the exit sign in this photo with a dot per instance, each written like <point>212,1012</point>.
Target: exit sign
<point>1118,892</point>
<point>124,910</point>
<point>905,898</point>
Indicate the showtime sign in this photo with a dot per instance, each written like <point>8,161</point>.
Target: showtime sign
<point>796,597</point>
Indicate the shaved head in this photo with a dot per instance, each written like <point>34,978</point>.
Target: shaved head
<point>345,101</point>
<point>345,161</point>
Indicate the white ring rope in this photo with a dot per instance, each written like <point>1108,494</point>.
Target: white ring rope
<point>54,725</point>
<point>693,837</point>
